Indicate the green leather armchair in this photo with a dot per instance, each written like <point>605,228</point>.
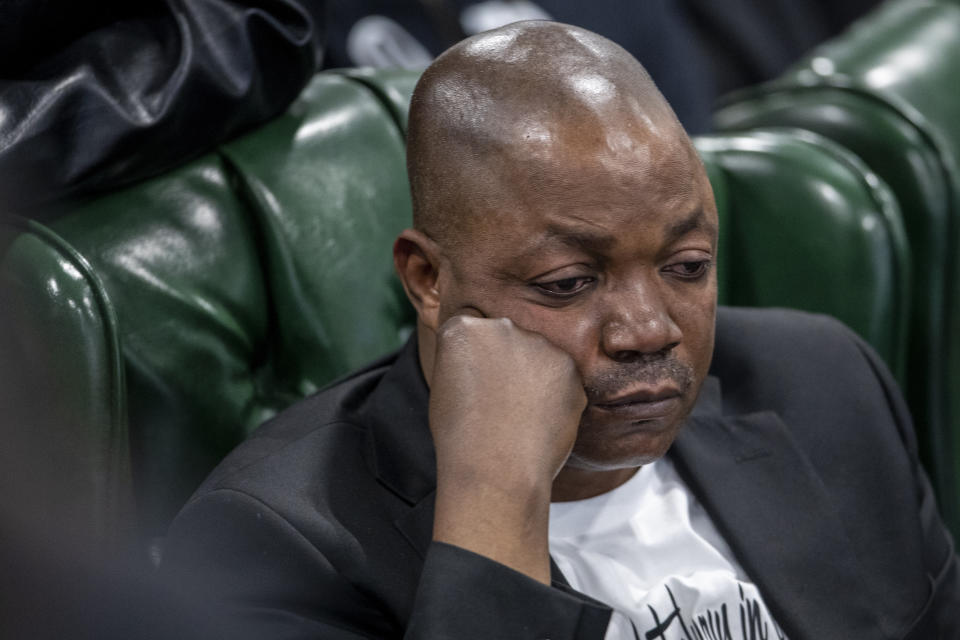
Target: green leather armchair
<point>886,90</point>
<point>230,287</point>
<point>155,327</point>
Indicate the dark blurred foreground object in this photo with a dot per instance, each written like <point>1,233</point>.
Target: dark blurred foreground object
<point>97,95</point>
<point>64,573</point>
<point>52,588</point>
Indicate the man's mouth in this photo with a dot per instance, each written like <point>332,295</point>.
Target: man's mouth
<point>642,404</point>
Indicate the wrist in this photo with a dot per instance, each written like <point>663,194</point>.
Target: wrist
<point>505,522</point>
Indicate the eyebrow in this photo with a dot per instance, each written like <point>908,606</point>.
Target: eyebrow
<point>596,244</point>
<point>592,242</point>
<point>697,220</point>
<point>599,242</point>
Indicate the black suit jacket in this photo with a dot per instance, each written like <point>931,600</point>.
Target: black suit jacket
<point>800,448</point>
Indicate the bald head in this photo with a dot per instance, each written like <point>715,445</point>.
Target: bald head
<point>516,110</point>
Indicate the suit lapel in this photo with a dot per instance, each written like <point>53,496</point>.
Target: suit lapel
<point>400,449</point>
<point>416,525</point>
<point>766,499</point>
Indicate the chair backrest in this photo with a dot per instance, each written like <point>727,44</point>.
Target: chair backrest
<point>65,454</point>
<point>886,90</point>
<point>240,282</point>
<point>237,283</point>
<point>806,225</point>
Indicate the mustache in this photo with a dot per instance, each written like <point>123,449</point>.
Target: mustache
<point>649,370</point>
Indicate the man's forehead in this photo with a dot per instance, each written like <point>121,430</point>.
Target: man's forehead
<point>589,168</point>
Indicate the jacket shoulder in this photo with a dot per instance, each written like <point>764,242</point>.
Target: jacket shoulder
<point>775,359</point>
<point>312,422</point>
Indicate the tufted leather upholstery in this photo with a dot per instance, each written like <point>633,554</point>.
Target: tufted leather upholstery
<point>176,315</point>
<point>887,91</point>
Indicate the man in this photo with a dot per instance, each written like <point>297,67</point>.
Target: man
<point>548,457</point>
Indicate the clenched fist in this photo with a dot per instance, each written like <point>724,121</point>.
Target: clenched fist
<point>505,405</point>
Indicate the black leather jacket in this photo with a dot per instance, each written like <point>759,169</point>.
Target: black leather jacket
<point>96,95</point>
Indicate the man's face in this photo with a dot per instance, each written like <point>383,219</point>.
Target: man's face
<point>606,246</point>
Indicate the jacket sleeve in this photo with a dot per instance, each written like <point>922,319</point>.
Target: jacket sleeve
<point>465,595</point>
<point>251,568</point>
<point>940,616</point>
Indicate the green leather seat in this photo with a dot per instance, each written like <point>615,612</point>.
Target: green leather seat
<point>886,90</point>
<point>65,455</point>
<point>189,308</point>
<point>806,225</point>
<point>240,282</point>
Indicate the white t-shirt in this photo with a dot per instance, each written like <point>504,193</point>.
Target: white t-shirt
<point>650,551</point>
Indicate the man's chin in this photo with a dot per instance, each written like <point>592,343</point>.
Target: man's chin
<point>628,451</point>
<point>609,445</point>
<point>598,466</point>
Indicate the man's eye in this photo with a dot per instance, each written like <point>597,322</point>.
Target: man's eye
<point>564,288</point>
<point>690,270</point>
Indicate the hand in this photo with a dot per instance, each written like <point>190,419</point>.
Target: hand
<point>505,405</point>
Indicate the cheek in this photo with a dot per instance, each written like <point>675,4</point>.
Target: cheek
<point>576,331</point>
<point>579,337</point>
<point>449,295</point>
<point>458,290</point>
<point>696,319</point>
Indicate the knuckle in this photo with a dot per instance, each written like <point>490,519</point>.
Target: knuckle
<point>447,329</point>
<point>452,328</point>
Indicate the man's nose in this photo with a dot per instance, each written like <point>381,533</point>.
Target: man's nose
<point>638,324</point>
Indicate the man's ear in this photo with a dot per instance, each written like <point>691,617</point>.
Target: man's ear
<point>416,259</point>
